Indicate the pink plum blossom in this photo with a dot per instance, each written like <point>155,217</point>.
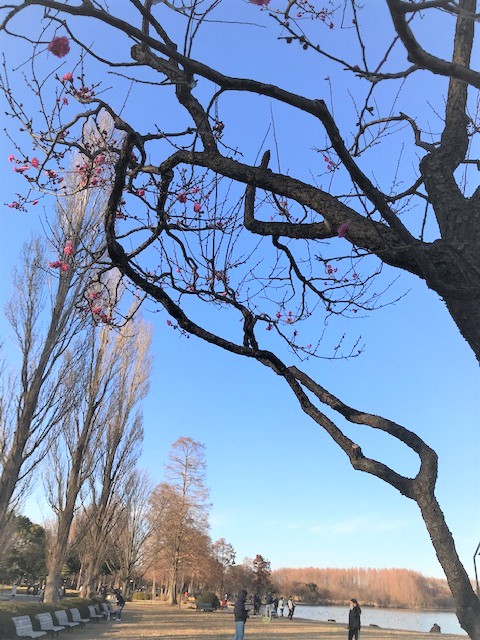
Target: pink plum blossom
<point>35,162</point>
<point>67,77</point>
<point>342,229</point>
<point>68,249</point>
<point>59,46</point>
<point>197,207</point>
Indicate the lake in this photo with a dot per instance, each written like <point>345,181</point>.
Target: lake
<point>405,619</point>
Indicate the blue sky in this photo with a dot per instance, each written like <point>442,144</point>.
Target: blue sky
<point>278,486</point>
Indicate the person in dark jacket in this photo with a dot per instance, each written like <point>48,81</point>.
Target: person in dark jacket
<point>240,614</point>
<point>354,620</point>
<point>120,604</point>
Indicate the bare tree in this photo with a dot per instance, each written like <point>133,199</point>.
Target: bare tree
<point>128,539</point>
<point>276,254</point>
<point>45,318</point>
<point>110,489</point>
<point>73,459</point>
<point>179,512</point>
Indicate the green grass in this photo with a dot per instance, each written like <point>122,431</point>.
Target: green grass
<point>12,608</point>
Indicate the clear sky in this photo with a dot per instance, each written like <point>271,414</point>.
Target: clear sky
<point>279,486</point>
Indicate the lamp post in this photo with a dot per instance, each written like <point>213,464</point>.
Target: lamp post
<point>475,567</point>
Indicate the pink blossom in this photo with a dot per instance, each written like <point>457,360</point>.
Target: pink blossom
<point>260,3</point>
<point>64,267</point>
<point>35,202</point>
<point>55,265</point>
<point>100,159</point>
<point>11,157</point>
<point>68,249</point>
<point>59,46</point>
<point>35,162</point>
<point>67,77</point>
<point>182,197</point>
<point>21,169</point>
<point>96,309</point>
<point>197,207</point>
<point>342,229</point>
<point>141,192</point>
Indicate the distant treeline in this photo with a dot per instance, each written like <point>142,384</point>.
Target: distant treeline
<point>380,587</point>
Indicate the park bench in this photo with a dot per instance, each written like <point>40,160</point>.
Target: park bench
<point>46,623</point>
<point>93,613</point>
<point>62,619</point>
<point>204,606</point>
<point>108,610</point>
<point>24,629</point>
<point>76,617</point>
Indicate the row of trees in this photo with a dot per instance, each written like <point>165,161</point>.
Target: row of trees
<point>160,541</point>
<point>70,419</point>
<point>380,587</point>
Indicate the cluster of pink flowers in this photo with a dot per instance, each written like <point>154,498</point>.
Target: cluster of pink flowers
<point>58,264</point>
<point>34,162</point>
<point>330,270</point>
<point>59,46</point>
<point>182,197</point>
<point>331,166</point>
<point>96,306</point>
<point>68,248</point>
<point>84,93</point>
<point>260,3</point>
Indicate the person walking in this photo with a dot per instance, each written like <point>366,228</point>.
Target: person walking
<point>354,619</point>
<point>120,604</point>
<point>291,607</point>
<point>240,614</point>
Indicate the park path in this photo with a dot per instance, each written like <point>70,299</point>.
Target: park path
<point>152,620</point>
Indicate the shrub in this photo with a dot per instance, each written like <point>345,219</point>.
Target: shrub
<point>142,595</point>
<point>208,597</point>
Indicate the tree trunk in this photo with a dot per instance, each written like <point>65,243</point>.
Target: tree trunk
<point>467,602</point>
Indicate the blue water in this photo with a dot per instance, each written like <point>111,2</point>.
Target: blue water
<point>404,619</point>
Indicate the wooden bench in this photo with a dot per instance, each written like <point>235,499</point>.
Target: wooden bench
<point>61,617</point>
<point>24,629</point>
<point>204,606</point>
<point>46,624</point>
<point>76,617</point>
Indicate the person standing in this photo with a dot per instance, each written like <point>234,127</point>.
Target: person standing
<point>281,606</point>
<point>120,604</point>
<point>240,614</point>
<point>256,604</point>
<point>268,605</point>
<point>291,607</point>
<point>354,619</point>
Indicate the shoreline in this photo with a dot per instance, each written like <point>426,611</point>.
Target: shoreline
<point>149,619</point>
